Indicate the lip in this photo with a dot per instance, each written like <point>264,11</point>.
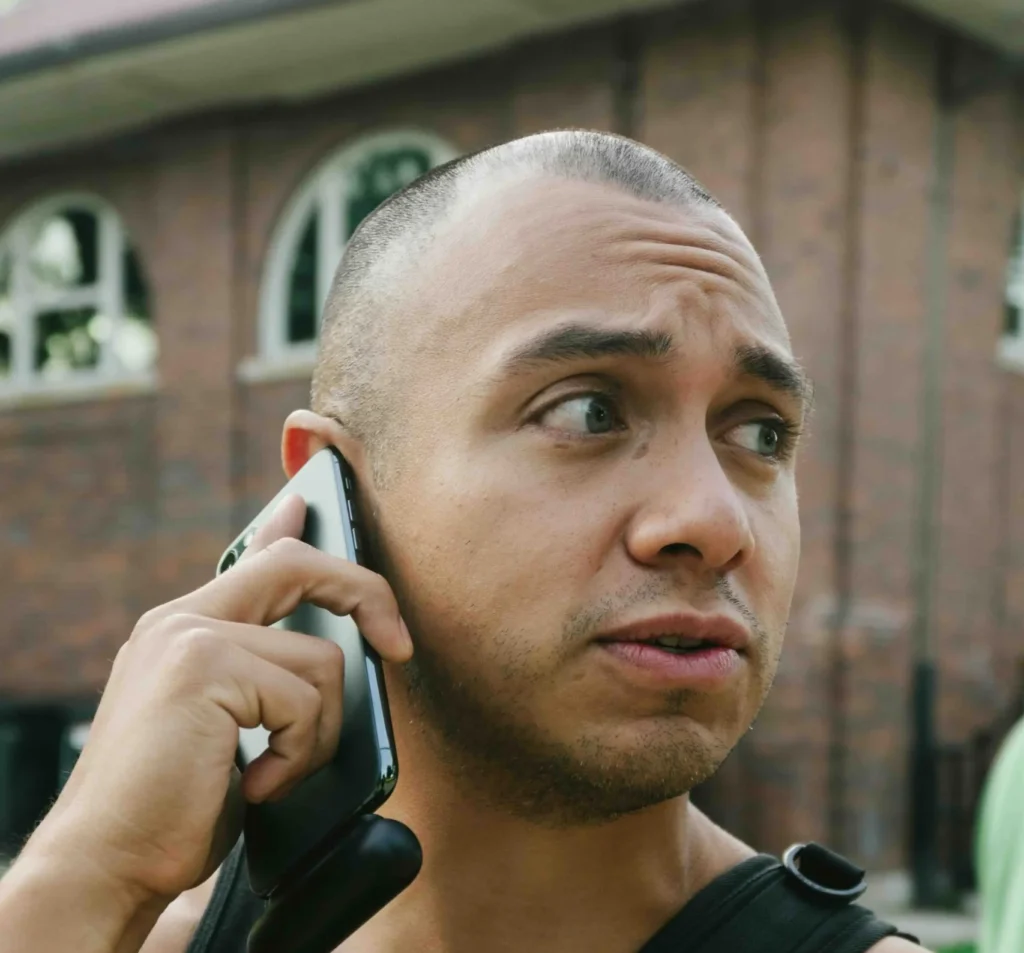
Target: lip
<point>710,668</point>
<point>718,630</point>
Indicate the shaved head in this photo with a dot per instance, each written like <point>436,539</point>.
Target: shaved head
<point>572,407</point>
<point>356,379</point>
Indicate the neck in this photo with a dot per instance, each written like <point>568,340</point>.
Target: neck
<point>497,883</point>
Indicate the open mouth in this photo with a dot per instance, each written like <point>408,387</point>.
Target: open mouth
<point>674,644</point>
<point>678,645</point>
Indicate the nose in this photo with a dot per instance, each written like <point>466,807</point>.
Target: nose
<point>692,513</point>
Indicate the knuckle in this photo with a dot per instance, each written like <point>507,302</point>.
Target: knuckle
<point>149,621</point>
<point>194,649</point>
<point>384,588</point>
<point>287,549</point>
<point>331,661</point>
<point>157,626</point>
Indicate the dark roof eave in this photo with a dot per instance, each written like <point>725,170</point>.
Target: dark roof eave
<point>212,16</point>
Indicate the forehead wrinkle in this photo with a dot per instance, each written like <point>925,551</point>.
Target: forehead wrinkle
<point>552,244</point>
<point>692,249</point>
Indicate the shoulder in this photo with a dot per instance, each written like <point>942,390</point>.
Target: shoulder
<point>173,931</point>
<point>895,944</point>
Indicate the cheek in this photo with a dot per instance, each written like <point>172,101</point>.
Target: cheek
<point>501,553</point>
<point>777,560</point>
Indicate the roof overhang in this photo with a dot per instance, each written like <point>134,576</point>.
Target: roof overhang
<point>998,23</point>
<point>235,52</point>
<point>94,77</point>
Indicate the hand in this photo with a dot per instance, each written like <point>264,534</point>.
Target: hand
<point>155,797</point>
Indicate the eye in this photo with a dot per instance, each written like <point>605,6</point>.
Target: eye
<point>585,414</point>
<point>768,438</point>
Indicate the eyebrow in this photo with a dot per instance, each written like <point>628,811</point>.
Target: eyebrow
<point>785,376</point>
<point>575,342</point>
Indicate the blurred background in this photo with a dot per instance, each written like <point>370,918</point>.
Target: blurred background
<point>178,179</point>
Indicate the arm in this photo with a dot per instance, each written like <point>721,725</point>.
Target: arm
<point>51,901</point>
<point>175,928</point>
<point>155,802</point>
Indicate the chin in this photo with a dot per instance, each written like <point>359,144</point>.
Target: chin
<point>677,747</point>
<point>605,775</point>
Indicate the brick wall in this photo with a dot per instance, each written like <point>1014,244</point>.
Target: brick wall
<point>818,132</point>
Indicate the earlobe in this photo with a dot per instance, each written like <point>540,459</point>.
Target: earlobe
<point>306,433</point>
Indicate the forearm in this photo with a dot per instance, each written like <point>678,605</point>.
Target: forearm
<point>63,900</point>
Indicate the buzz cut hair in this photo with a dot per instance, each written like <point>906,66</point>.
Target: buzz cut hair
<point>352,382</point>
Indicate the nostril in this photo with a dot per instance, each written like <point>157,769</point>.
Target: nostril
<point>680,549</point>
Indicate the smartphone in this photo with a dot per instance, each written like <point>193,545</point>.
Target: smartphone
<point>285,840</point>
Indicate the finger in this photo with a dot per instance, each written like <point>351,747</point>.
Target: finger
<point>319,662</point>
<point>287,519</point>
<point>263,591</point>
<point>256,692</point>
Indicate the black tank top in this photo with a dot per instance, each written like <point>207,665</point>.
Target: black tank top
<point>759,906</point>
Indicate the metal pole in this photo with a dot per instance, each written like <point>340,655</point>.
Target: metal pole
<point>857,14</point>
<point>924,806</point>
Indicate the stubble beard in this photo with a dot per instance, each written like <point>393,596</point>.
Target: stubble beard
<point>516,767</point>
<point>478,734</point>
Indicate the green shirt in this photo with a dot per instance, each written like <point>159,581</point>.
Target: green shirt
<point>1000,850</point>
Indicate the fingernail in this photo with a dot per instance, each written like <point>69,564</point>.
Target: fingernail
<point>406,633</point>
<point>282,503</point>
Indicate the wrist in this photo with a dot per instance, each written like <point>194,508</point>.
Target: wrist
<point>92,852</point>
<point>67,900</point>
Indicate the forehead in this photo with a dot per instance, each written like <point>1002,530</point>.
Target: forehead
<point>528,253</point>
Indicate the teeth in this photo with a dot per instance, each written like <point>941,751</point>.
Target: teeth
<point>677,642</point>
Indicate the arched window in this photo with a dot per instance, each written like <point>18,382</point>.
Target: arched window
<point>312,232</point>
<point>73,303</point>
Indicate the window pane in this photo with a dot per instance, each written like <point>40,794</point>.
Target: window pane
<point>1013,324</point>
<point>1015,283</point>
<point>69,340</point>
<point>65,252</point>
<point>379,176</point>
<point>302,285</point>
<point>136,344</point>
<point>136,293</point>
<point>6,316</point>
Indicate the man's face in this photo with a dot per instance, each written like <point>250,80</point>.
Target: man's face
<point>597,415</point>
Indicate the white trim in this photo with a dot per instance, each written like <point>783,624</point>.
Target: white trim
<point>323,188</point>
<point>41,393</point>
<point>22,337</point>
<point>331,238</point>
<point>1010,355</point>
<point>109,257</point>
<point>29,299</point>
<point>295,364</point>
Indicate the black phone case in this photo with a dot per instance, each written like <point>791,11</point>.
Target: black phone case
<point>285,840</point>
<point>373,862</point>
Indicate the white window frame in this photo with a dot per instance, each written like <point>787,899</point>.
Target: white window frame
<point>323,189</point>
<point>107,295</point>
<point>1011,346</point>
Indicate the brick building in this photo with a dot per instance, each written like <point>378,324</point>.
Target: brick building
<point>175,190</point>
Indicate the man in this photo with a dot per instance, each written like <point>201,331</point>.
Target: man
<point>1000,850</point>
<point>561,376</point>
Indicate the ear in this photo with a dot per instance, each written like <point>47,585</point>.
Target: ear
<point>306,433</point>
